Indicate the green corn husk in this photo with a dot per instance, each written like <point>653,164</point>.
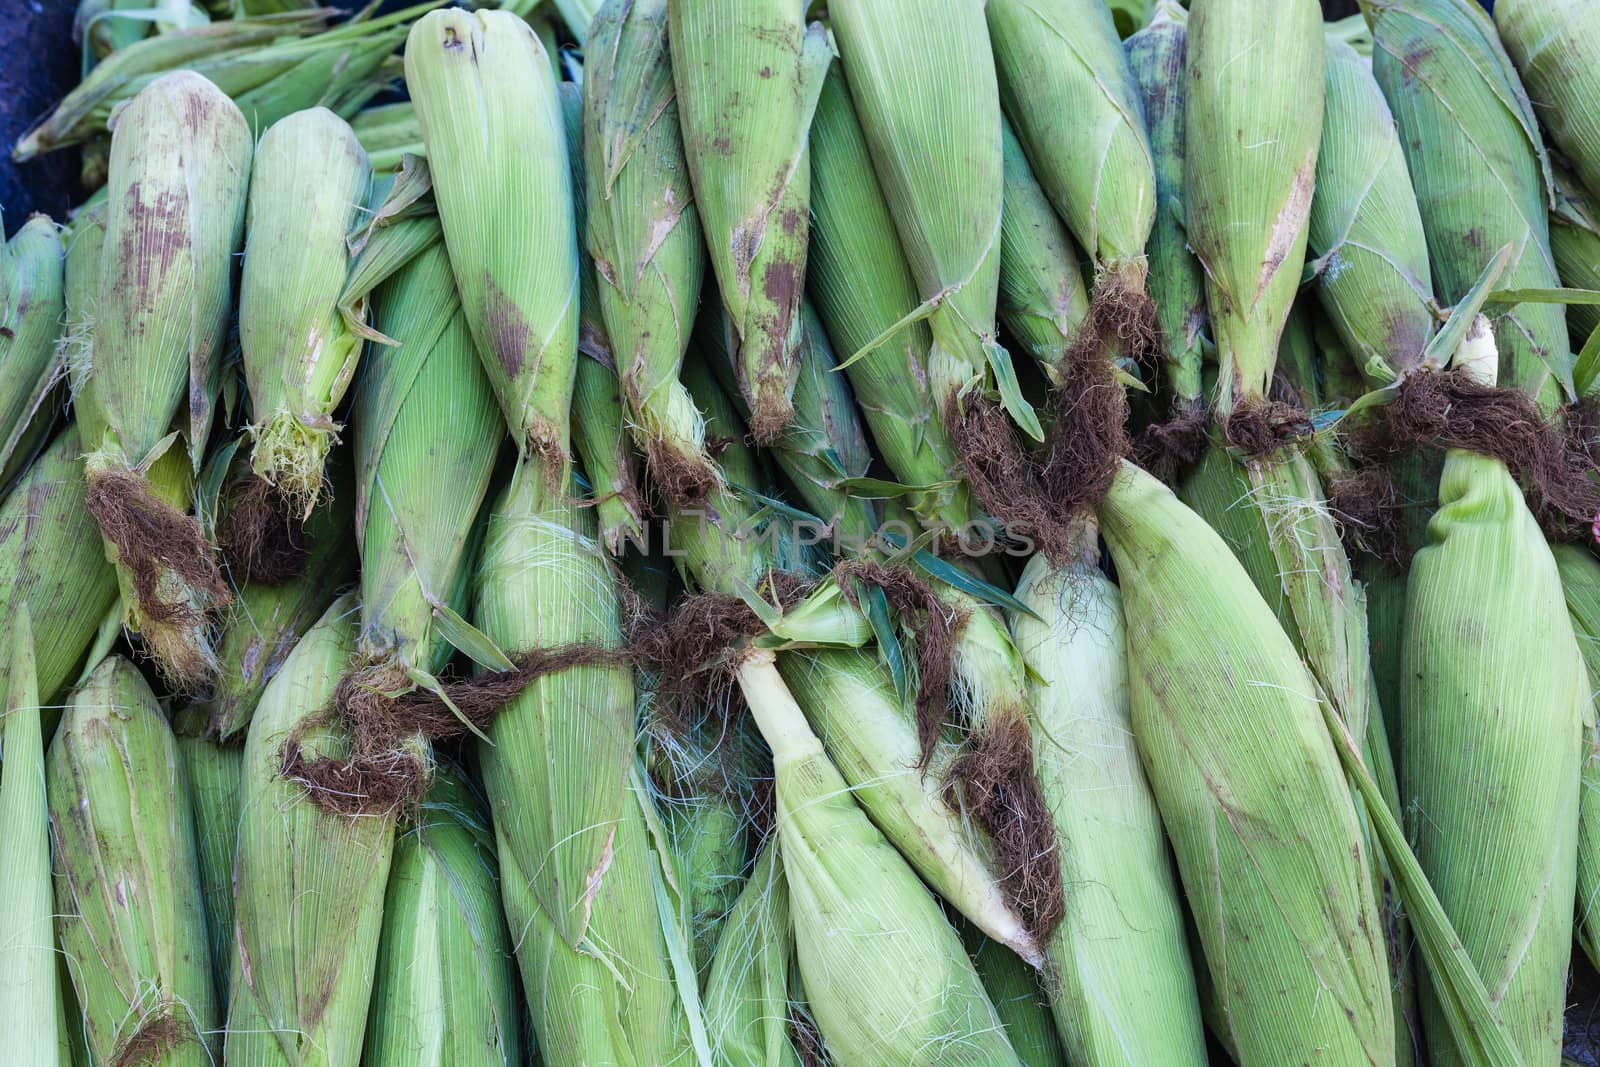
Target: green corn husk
<point>643,235</point>
<point>886,976</point>
<point>389,133</point>
<point>1575,243</point>
<point>271,65</point>
<point>1268,842</point>
<point>1484,600</point>
<point>445,991</point>
<point>307,185</point>
<point>747,74</point>
<point>1014,989</point>
<point>127,880</point>
<point>1042,298</point>
<point>747,992</point>
<point>180,163</point>
<point>308,882</point>
<point>53,563</point>
<point>1123,990</point>
<point>922,79</point>
<point>424,417</point>
<point>598,430</point>
<point>1251,156</point>
<point>1580,583</point>
<point>1158,57</point>
<point>1479,169</point>
<point>741,464</point>
<point>85,244</point>
<point>30,994</point>
<point>32,302</point>
<point>214,773</point>
<point>1554,48</point>
<point>861,285</point>
<point>1072,99</point>
<point>491,118</point>
<point>1366,228</point>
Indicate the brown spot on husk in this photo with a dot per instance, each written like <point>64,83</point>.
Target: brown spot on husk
<point>1366,504</point>
<point>1258,428</point>
<point>1167,449</point>
<point>261,539</point>
<point>155,1037</point>
<point>935,626</point>
<point>508,329</point>
<point>1552,459</point>
<point>996,776</point>
<point>1005,477</point>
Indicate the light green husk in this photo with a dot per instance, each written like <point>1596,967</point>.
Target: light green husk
<point>308,882</point>
<point>388,132</point>
<point>747,74</point>
<point>1268,842</point>
<point>1072,99</point>
<point>214,773</point>
<point>861,286</point>
<point>644,237</point>
<point>307,186</point>
<point>922,79</point>
<point>445,992</point>
<point>1484,600</point>
<point>1251,155</point>
<point>747,992</point>
<point>30,995</point>
<point>1158,57</point>
<point>32,300</point>
<point>1123,988</point>
<point>180,163</point>
<point>1555,45</point>
<point>1580,583</point>
<point>1575,243</point>
<point>1042,299</point>
<point>1479,169</point>
<point>1013,987</point>
<point>491,118</point>
<point>53,563</point>
<point>885,974</point>
<point>424,418</point>
<point>1366,228</point>
<point>127,880</point>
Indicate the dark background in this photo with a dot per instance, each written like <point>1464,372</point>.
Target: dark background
<point>41,63</point>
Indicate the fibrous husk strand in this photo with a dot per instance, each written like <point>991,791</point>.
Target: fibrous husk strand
<point>1366,504</point>
<point>1167,449</point>
<point>1259,428</point>
<point>1123,317</point>
<point>1005,476</point>
<point>997,779</point>
<point>155,1037</point>
<point>684,481</point>
<point>935,625</point>
<point>261,536</point>
<point>1089,436</point>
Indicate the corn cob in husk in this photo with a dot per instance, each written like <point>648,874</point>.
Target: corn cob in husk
<point>308,183</point>
<point>1492,755</point>
<point>643,236</point>
<point>1366,229</point>
<point>1042,299</point>
<point>180,160</point>
<point>1478,165</point>
<point>308,882</point>
<point>861,286</point>
<point>747,74</point>
<point>214,772</point>
<point>1073,101</point>
<point>1121,981</point>
<point>747,992</point>
<point>1268,842</point>
<point>32,300</point>
<point>53,563</point>
<point>1158,56</point>
<point>1014,989</point>
<point>1575,244</point>
<point>445,990</point>
<point>885,974</point>
<point>491,118</point>
<point>270,65</point>
<point>1580,584</point>
<point>30,993</point>
<point>127,880</point>
<point>1554,48</point>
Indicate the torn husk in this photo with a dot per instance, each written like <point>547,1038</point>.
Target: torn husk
<point>308,182</point>
<point>747,74</point>
<point>486,98</point>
